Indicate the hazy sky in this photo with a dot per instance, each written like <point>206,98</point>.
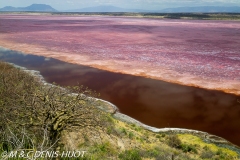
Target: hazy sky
<point>133,4</point>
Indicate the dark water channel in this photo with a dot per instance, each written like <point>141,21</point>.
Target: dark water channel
<point>153,102</point>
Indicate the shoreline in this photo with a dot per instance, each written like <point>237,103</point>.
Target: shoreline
<point>170,76</point>
<point>153,15</point>
<point>114,111</point>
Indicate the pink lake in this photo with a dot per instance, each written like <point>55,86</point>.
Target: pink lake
<point>202,53</point>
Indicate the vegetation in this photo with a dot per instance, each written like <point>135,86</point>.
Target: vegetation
<point>130,155</point>
<point>174,141</point>
<point>37,116</point>
<point>202,16</point>
<point>48,109</point>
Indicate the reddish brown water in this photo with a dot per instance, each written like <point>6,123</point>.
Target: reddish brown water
<point>152,102</point>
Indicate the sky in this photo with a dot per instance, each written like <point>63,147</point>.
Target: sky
<point>131,4</point>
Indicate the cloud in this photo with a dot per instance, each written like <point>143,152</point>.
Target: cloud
<point>71,2</point>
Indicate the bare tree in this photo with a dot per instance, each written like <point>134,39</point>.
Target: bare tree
<point>27,103</point>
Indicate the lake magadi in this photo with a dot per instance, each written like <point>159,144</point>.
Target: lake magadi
<point>202,53</point>
<point>153,102</point>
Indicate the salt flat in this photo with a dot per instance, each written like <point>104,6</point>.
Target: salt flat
<point>189,52</point>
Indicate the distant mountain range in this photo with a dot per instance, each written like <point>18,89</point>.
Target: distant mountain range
<point>204,9</point>
<point>33,7</point>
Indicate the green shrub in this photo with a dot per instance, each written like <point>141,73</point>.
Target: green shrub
<point>219,152</point>
<point>133,125</point>
<point>158,136</point>
<point>130,155</point>
<point>123,130</point>
<point>136,128</point>
<point>110,130</point>
<point>206,148</point>
<point>152,153</point>
<point>207,154</point>
<point>130,135</point>
<point>109,119</point>
<point>103,148</point>
<point>188,148</point>
<point>174,141</point>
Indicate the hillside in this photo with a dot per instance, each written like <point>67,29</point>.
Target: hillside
<point>55,119</point>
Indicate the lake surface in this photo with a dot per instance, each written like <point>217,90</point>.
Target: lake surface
<point>153,102</point>
<point>203,53</point>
